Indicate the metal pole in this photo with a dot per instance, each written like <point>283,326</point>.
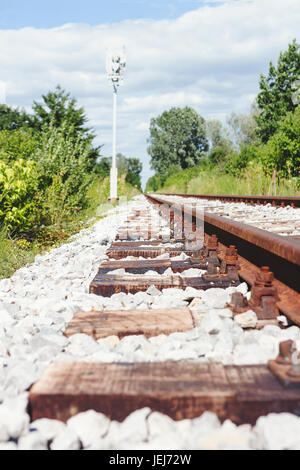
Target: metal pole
<point>114,169</point>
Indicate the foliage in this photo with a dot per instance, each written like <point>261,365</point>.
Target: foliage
<point>153,184</point>
<point>276,92</point>
<point>218,135</point>
<point>218,154</point>
<point>131,167</point>
<point>177,137</point>
<point>181,179</point>
<point>134,169</point>
<point>15,253</point>
<point>17,144</point>
<point>236,162</point>
<point>19,205</point>
<point>58,108</point>
<point>64,177</point>
<point>12,119</point>
<point>242,128</point>
<point>282,151</point>
<point>252,180</point>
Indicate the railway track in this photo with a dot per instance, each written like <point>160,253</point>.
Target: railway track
<point>275,201</point>
<point>150,257</point>
<point>188,312</point>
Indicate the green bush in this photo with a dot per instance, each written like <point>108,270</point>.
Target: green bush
<point>20,210</point>
<point>17,144</point>
<point>282,151</point>
<point>236,163</point>
<point>153,184</point>
<point>62,159</point>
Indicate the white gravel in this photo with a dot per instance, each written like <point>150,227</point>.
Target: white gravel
<point>39,300</point>
<point>284,221</point>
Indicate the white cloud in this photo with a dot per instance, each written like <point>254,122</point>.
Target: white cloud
<point>209,58</point>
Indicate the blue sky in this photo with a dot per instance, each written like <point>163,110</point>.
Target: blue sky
<point>199,53</point>
<point>47,14</point>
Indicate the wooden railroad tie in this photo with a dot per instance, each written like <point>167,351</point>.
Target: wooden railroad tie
<point>132,322</point>
<point>182,390</point>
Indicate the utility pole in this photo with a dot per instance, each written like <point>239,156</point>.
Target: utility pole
<point>115,66</point>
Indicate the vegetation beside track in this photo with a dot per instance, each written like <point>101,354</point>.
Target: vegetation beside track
<point>52,178</point>
<point>17,251</point>
<point>254,153</point>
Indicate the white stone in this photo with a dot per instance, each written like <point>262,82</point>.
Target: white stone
<point>131,343</point>
<point>134,427</point>
<point>208,421</point>
<point>174,292</point>
<point>33,441</point>
<point>211,323</point>
<point>159,425</point>
<point>225,313</point>
<point>8,446</point>
<point>282,320</point>
<point>181,257</point>
<point>48,428</point>
<point>141,297</point>
<point>251,354</point>
<point>66,440</point>
<point>117,272</point>
<point>247,319</point>
<point>89,426</point>
<point>81,345</point>
<point>278,431</point>
<point>153,291</point>
<point>170,441</point>
<point>216,297</point>
<point>14,421</point>
<point>168,301</point>
<point>110,341</point>
<point>163,256</point>
<point>293,332</point>
<point>158,340</point>
<point>168,272</point>
<point>191,292</point>
<point>243,288</point>
<point>193,272</point>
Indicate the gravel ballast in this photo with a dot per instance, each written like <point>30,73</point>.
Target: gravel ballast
<point>39,300</point>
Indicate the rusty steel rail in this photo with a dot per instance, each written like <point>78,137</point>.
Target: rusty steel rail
<point>256,248</point>
<point>293,201</point>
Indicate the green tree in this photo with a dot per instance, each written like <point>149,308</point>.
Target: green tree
<point>134,169</point>
<point>57,108</point>
<point>103,167</point>
<point>217,134</point>
<point>219,154</point>
<point>276,91</point>
<point>242,128</point>
<point>177,137</point>
<point>282,152</point>
<point>153,184</point>
<point>17,144</point>
<point>131,167</point>
<point>20,210</point>
<point>14,118</point>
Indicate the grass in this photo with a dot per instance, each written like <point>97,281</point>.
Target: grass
<point>17,252</point>
<point>251,182</point>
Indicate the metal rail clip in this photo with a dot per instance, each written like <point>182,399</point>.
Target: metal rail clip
<point>286,367</point>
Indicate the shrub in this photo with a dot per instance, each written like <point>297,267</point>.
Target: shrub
<point>17,144</point>
<point>282,152</point>
<point>62,159</point>
<point>20,210</point>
